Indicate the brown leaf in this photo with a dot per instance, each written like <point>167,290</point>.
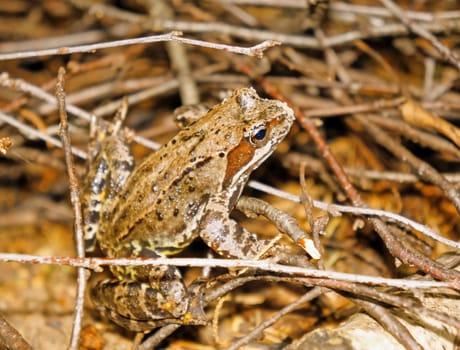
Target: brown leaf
<point>416,115</point>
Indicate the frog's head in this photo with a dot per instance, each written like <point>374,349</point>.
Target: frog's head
<point>265,123</point>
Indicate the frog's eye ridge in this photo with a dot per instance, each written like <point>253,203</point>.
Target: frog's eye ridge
<point>247,100</point>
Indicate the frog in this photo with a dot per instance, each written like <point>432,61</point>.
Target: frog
<point>184,190</point>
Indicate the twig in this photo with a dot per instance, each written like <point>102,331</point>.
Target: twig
<point>111,107</point>
<point>66,39</point>
<point>293,161</point>
<point>407,304</point>
<point>158,337</point>
<point>301,41</point>
<point>108,89</point>
<point>341,7</point>
<point>256,50</point>
<point>243,16</point>
<point>390,323</point>
<point>271,3</point>
<point>359,108</point>
<point>422,168</point>
<point>10,338</point>
<point>429,76</point>
<point>448,54</point>
<point>34,133</point>
<point>21,85</point>
<point>334,209</point>
<point>177,53</point>
<point>96,263</point>
<point>254,333</point>
<point>424,138</point>
<point>75,69</point>
<point>316,225</point>
<point>342,287</point>
<point>164,87</point>
<point>75,200</point>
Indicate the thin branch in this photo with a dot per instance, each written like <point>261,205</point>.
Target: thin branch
<point>177,54</point>
<point>301,41</point>
<point>99,92</point>
<point>394,245</point>
<point>11,338</point>
<point>112,107</point>
<point>447,53</point>
<point>21,85</point>
<point>340,7</point>
<point>334,209</point>
<point>409,132</point>
<point>78,38</point>
<point>390,323</point>
<point>406,303</point>
<point>420,167</point>
<point>271,3</point>
<point>294,160</point>
<point>255,51</point>
<point>344,288</point>
<point>266,265</point>
<point>78,218</point>
<point>34,133</point>
<point>256,332</point>
<point>358,108</point>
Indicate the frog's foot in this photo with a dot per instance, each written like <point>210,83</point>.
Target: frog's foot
<point>140,307</point>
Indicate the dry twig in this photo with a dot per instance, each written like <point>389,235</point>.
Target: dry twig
<point>75,200</point>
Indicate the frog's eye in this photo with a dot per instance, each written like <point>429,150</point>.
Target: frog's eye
<point>259,136</point>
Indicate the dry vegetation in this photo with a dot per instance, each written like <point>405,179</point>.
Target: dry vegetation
<point>375,87</point>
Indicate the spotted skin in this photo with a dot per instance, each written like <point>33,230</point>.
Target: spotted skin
<point>186,189</point>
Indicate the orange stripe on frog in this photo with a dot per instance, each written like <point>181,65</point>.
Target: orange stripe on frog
<point>236,159</point>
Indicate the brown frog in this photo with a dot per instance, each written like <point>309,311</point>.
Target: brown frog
<point>186,189</point>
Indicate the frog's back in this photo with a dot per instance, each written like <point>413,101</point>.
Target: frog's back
<point>161,205</point>
<point>159,210</point>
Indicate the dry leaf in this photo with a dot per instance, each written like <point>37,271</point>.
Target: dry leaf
<point>414,114</point>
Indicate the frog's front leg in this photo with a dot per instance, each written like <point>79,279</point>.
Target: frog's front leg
<point>229,239</point>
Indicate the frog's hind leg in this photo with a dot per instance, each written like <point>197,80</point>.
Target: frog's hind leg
<point>134,306</point>
<point>141,306</point>
<point>109,165</point>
